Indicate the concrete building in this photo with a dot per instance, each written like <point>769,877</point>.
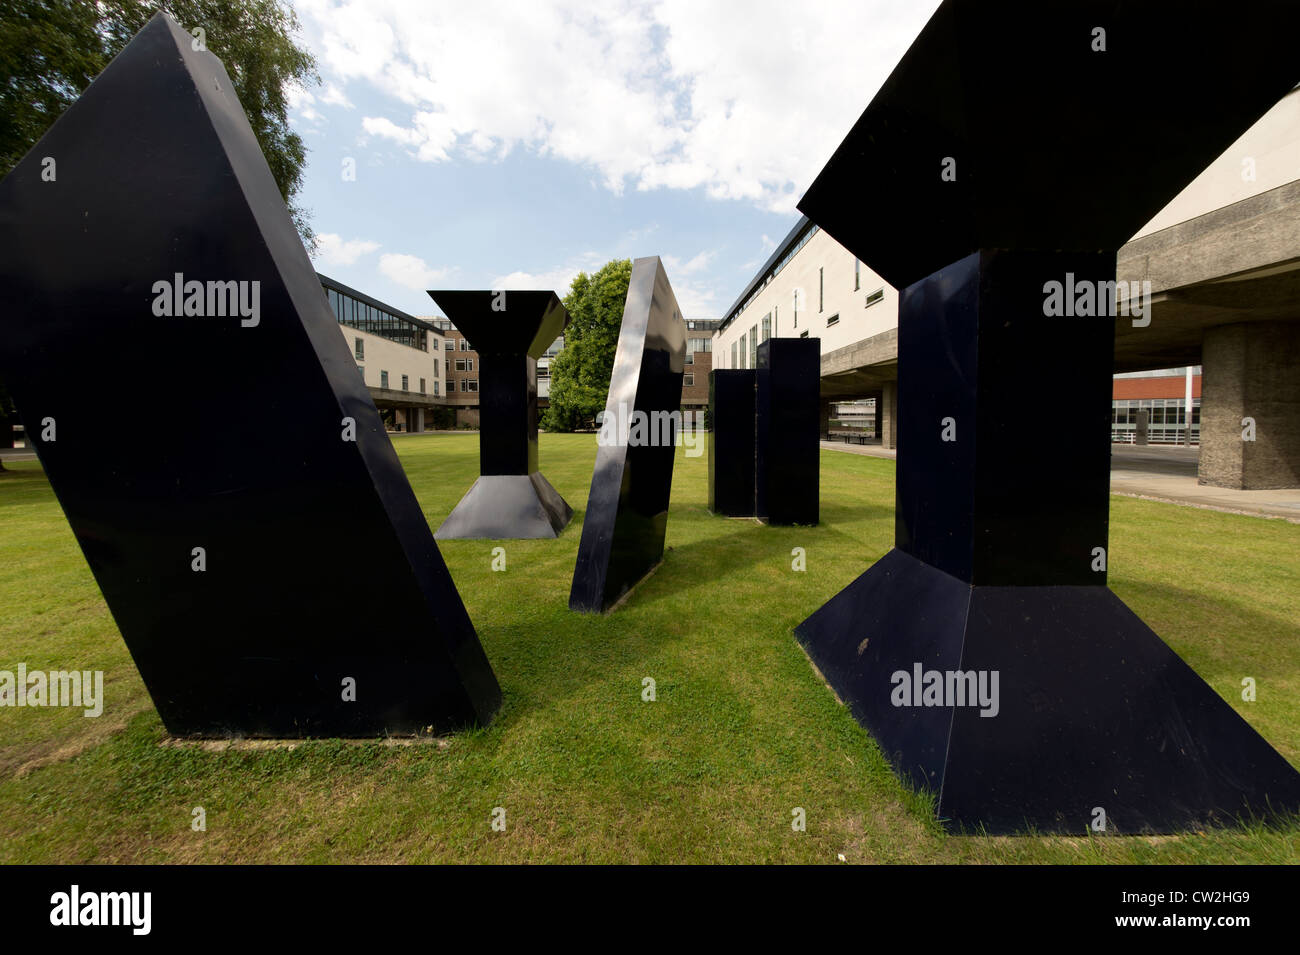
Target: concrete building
<point>398,355</point>
<point>1223,263</point>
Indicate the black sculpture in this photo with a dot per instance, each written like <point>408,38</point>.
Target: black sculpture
<point>627,509</point>
<point>985,652</point>
<point>510,331</point>
<point>254,536</point>
<point>788,446</point>
<point>731,444</point>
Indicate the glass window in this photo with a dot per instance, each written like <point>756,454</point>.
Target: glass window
<point>744,350</point>
<point>688,381</point>
<point>460,364</point>
<point>422,391</point>
<point>857,274</point>
<point>406,382</point>
<point>753,346</point>
<point>767,326</point>
<point>821,289</point>
<point>734,345</point>
<point>833,320</point>
<point>473,383</point>
<point>359,349</point>
<point>383,379</point>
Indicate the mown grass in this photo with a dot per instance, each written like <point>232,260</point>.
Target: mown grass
<point>741,733</point>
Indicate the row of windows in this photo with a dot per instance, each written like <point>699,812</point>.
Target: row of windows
<point>406,382</point>
<point>357,314</point>
<point>1161,411</point>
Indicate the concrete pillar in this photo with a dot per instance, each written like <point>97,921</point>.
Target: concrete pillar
<point>887,415</point>
<point>419,421</point>
<point>1140,430</point>
<point>1250,389</point>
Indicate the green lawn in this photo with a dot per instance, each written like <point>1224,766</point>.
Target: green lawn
<point>742,731</point>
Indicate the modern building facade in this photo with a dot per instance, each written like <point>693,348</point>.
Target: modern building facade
<point>1223,263</point>
<point>398,355</point>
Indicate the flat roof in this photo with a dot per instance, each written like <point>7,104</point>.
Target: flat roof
<point>375,303</point>
<point>784,246</point>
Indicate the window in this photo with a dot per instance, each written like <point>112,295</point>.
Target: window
<point>422,389</point>
<point>447,362</point>
<point>690,357</point>
<point>753,347</point>
<point>821,289</point>
<point>406,382</point>
<point>733,355</point>
<point>471,382</point>
<point>434,343</point>
<point>875,297</point>
<point>383,379</point>
<point>803,334</point>
<point>469,364</point>
<point>857,274</point>
<point>796,308</point>
<point>744,350</point>
<point>688,381</point>
<point>767,326</point>
<point>776,315</point>
<point>460,364</point>
<point>435,388</point>
<point>833,320</point>
<point>362,370</point>
<point>699,344</point>
<point>464,345</point>
<point>359,349</point>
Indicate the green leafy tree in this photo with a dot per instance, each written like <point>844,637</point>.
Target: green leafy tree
<point>50,50</point>
<point>580,373</point>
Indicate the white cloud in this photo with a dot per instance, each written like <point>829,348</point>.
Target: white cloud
<point>558,279</point>
<point>745,101</point>
<point>410,271</point>
<point>333,249</point>
<point>675,266</point>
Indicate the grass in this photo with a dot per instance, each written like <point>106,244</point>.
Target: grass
<point>742,731</point>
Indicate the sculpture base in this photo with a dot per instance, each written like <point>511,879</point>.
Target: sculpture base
<point>507,507</point>
<point>1090,709</point>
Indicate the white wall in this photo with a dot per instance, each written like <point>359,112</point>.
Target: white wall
<point>397,359</point>
<point>839,298</point>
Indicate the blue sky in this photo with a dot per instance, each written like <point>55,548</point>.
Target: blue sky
<point>510,144</point>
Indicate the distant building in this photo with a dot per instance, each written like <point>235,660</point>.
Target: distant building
<point>398,356</point>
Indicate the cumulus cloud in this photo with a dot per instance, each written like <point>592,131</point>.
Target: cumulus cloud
<point>333,249</point>
<point>410,271</point>
<point>744,101</point>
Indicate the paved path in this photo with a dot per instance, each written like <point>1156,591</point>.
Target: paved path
<point>1161,473</point>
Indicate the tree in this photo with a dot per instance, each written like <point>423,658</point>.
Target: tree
<point>580,373</point>
<point>50,50</point>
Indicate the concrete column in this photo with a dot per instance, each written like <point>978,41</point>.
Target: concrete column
<point>1140,431</point>
<point>419,421</point>
<point>887,415</point>
<point>1250,406</point>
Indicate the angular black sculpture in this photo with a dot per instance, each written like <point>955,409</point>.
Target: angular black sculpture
<point>253,533</point>
<point>731,444</point>
<point>787,426</point>
<point>1000,543</point>
<point>510,331</point>
<point>627,509</point>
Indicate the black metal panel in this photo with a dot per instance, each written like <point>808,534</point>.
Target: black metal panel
<point>1092,709</point>
<point>1015,93</point>
<point>318,563</point>
<point>731,442</point>
<point>627,509</point>
<point>973,341</point>
<point>787,426</point>
<point>510,331</point>
<point>1096,712</point>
